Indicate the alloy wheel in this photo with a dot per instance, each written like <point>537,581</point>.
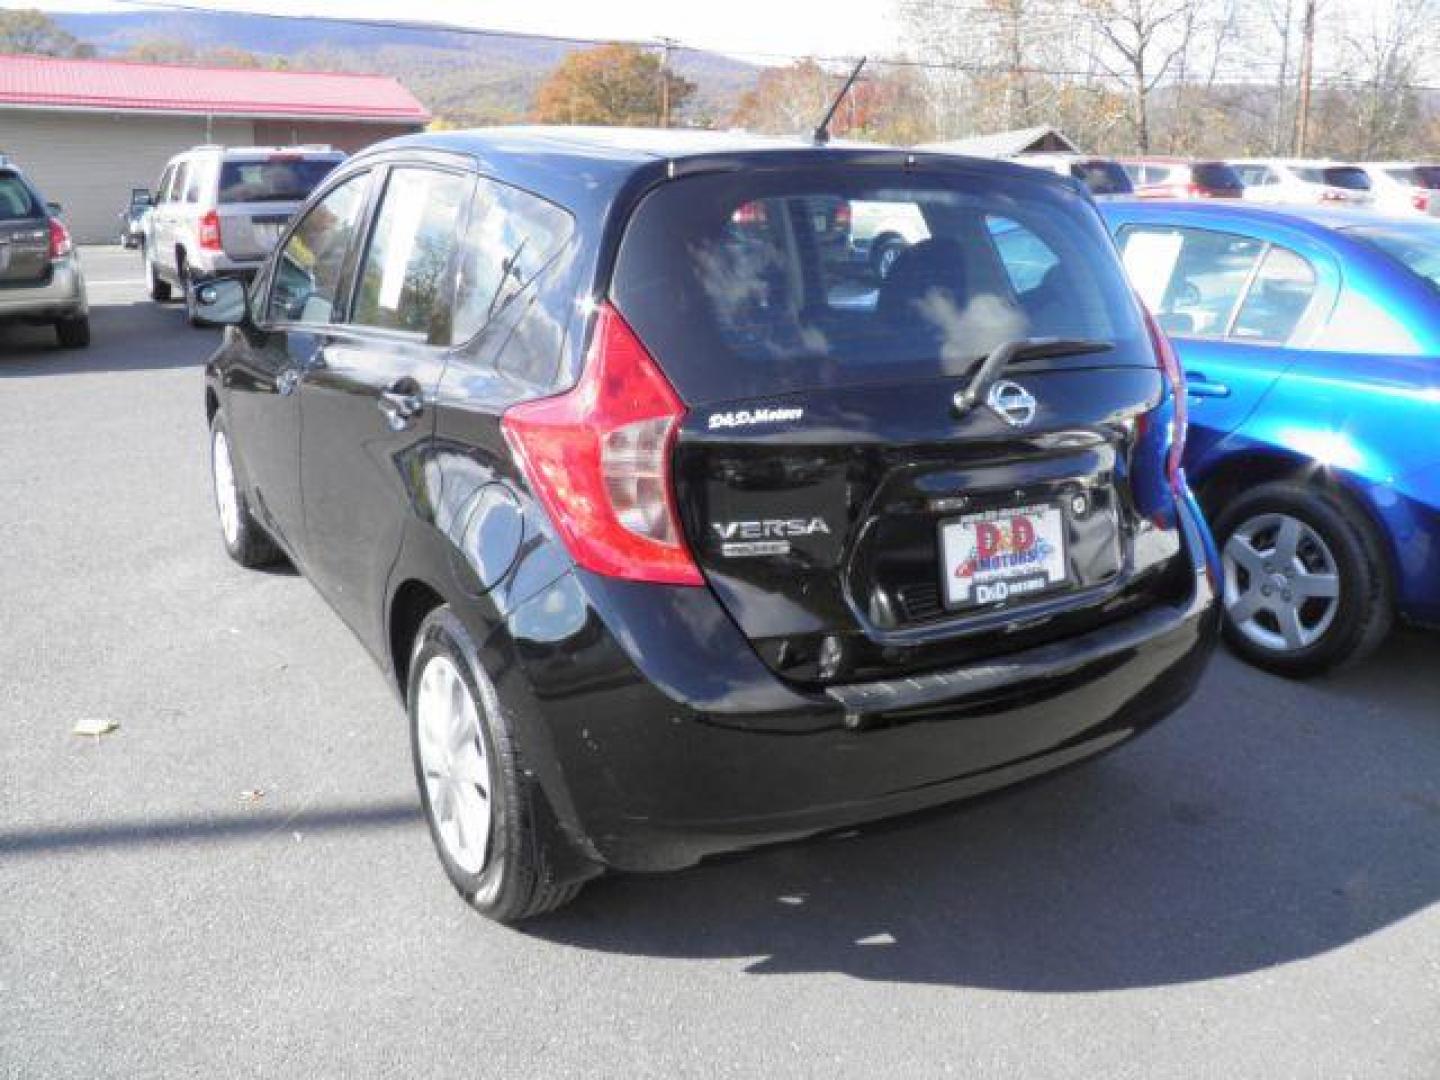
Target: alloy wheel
<point>454,763</point>
<point>227,495</point>
<point>1282,585</point>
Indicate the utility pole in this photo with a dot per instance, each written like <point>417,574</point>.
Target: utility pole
<point>1307,62</point>
<point>666,44</point>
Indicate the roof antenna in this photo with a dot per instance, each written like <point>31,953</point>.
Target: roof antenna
<point>822,133</point>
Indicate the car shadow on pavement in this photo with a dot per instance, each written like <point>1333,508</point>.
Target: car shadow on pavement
<point>134,336</point>
<point>1258,827</point>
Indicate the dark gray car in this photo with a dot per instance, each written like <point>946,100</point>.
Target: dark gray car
<point>40,276</point>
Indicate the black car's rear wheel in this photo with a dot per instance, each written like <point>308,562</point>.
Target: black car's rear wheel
<point>245,539</point>
<point>1306,585</point>
<point>479,803</point>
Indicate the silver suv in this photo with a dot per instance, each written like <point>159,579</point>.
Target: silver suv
<point>40,278</point>
<point>219,210</point>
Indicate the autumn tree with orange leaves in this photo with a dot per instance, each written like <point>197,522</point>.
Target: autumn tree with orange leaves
<point>612,84</point>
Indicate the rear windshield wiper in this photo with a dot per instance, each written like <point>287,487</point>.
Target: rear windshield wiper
<point>1009,352</point>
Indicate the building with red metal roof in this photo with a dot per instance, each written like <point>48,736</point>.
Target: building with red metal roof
<point>88,131</point>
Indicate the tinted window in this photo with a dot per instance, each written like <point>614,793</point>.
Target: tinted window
<point>1102,177</point>
<point>729,282</point>
<point>1277,298</point>
<point>405,275</point>
<point>511,237</point>
<point>16,201</point>
<point>178,181</point>
<point>309,269</point>
<point>1415,246</point>
<point>1427,176</point>
<point>193,180</point>
<point>1215,174</point>
<point>1346,176</point>
<point>1191,278</point>
<point>277,179</point>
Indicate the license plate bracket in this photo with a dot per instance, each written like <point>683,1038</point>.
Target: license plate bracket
<point>1003,555</point>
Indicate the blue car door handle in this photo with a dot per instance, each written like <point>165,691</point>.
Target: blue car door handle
<point>1197,385</point>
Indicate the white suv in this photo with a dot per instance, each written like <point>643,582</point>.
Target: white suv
<point>1404,187</point>
<point>1277,180</point>
<point>219,210</point>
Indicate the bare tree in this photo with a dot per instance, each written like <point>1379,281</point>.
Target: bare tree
<point>1141,42</point>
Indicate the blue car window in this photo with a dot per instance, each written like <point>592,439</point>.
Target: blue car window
<point>1277,299</point>
<point>1192,279</point>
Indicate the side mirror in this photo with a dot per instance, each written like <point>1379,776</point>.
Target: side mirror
<point>55,208</point>
<point>220,301</point>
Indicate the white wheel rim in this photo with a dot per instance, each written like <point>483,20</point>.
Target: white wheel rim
<point>1282,585</point>
<point>453,763</point>
<point>227,496</point>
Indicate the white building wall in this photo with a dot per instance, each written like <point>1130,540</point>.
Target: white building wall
<point>88,162</point>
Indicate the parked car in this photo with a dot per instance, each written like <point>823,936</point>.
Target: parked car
<point>1310,340</point>
<point>1275,180</point>
<point>668,555</point>
<point>1176,178</point>
<point>1102,176</point>
<point>132,218</point>
<point>1404,187</point>
<point>40,276</point>
<point>219,210</point>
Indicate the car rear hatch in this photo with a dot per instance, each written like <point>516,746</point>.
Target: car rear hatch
<point>862,498</point>
<point>257,196</point>
<point>24,234</point>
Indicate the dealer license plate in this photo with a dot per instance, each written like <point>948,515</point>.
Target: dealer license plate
<point>1002,555</point>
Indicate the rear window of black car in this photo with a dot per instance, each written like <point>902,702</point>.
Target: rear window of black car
<point>16,200</point>
<point>1216,175</point>
<point>278,179</point>
<point>740,286</point>
<point>1102,177</point>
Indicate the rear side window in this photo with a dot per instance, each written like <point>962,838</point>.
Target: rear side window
<point>310,268</point>
<point>1427,176</point>
<point>16,201</point>
<point>1206,284</point>
<point>750,283</point>
<point>1415,246</point>
<point>405,274</point>
<point>276,179</point>
<point>511,237</point>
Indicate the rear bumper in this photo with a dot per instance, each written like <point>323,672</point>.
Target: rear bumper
<point>669,741</point>
<point>62,296</point>
<point>208,264</point>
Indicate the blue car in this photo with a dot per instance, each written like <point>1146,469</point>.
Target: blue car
<point>1311,345</point>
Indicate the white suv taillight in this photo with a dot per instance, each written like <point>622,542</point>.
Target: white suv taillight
<point>210,231</point>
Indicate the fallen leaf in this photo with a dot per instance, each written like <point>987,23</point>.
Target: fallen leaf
<point>96,725</point>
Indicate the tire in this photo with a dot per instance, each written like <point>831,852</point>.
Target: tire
<point>1335,624</point>
<point>159,288</point>
<point>246,541</point>
<point>73,333</point>
<point>187,297</point>
<point>502,864</point>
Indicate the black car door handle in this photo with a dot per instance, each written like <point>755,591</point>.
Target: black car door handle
<point>401,403</point>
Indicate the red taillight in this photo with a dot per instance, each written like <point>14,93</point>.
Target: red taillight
<point>59,239</point>
<point>1420,200</point>
<point>598,458</point>
<point>1170,365</point>
<point>750,213</point>
<point>842,216</point>
<point>1195,191</point>
<point>210,231</point>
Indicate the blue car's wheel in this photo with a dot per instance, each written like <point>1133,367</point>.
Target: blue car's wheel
<point>1306,587</point>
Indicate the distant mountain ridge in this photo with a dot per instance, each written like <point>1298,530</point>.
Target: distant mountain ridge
<point>463,77</point>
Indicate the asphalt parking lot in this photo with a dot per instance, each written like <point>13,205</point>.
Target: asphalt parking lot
<point>236,882</point>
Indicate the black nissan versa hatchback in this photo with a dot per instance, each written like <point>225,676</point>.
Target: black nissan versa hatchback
<point>675,537</point>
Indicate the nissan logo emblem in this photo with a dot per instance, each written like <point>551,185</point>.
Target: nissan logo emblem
<point>1012,403</point>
